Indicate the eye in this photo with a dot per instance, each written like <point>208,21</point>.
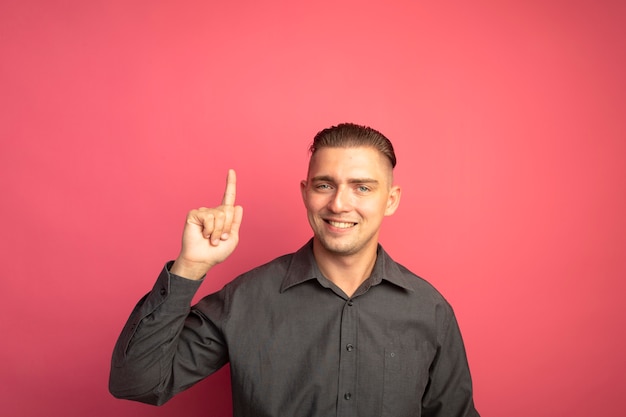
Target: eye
<point>322,187</point>
<point>363,189</point>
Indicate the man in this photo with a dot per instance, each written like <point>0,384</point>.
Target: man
<point>334,329</point>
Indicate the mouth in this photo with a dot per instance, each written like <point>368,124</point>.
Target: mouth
<point>340,225</point>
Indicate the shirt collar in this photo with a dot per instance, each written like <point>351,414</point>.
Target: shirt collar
<point>303,268</point>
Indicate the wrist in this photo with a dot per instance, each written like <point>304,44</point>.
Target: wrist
<point>189,269</point>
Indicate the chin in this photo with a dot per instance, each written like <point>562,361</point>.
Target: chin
<point>337,248</point>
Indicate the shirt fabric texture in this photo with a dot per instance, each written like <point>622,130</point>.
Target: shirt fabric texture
<point>298,346</point>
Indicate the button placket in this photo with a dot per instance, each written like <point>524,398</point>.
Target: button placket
<point>348,359</point>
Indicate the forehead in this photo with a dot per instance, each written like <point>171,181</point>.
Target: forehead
<point>350,162</point>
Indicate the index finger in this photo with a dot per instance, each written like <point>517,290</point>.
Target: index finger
<point>230,192</point>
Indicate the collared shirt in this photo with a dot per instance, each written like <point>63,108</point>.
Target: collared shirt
<point>298,346</point>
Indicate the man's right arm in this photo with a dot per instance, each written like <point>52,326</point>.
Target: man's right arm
<point>148,361</point>
<point>164,349</point>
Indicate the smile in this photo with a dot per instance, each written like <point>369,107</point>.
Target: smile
<point>340,225</point>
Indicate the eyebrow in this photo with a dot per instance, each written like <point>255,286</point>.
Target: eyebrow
<point>350,181</point>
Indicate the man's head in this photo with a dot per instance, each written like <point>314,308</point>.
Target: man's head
<point>349,189</point>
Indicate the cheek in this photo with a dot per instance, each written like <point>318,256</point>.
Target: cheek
<point>375,209</point>
<point>313,202</point>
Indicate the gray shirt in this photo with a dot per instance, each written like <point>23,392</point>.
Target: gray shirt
<point>298,346</point>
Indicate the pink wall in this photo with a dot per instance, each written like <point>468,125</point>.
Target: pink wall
<point>509,122</point>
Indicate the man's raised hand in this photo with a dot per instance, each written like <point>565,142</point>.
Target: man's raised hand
<point>210,235</point>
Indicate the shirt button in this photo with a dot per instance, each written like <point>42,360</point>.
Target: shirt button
<point>350,303</point>
<point>347,395</point>
<point>349,347</point>
<point>163,291</point>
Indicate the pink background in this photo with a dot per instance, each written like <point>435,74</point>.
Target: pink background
<point>509,121</point>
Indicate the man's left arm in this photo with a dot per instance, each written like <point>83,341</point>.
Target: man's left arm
<point>449,392</point>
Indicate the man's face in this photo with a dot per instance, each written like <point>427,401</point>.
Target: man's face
<point>347,193</point>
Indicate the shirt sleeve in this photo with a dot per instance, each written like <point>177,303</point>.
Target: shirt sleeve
<point>449,392</point>
<point>165,346</point>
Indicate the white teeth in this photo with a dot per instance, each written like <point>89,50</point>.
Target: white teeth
<point>341,225</point>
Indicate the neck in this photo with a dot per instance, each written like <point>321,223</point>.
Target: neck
<point>347,272</point>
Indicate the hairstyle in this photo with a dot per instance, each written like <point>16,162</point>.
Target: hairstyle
<point>350,135</point>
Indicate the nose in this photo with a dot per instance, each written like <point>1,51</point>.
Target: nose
<point>340,200</point>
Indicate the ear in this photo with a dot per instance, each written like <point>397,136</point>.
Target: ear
<point>303,190</point>
<point>393,200</point>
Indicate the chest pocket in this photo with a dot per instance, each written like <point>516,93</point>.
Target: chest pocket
<point>405,379</point>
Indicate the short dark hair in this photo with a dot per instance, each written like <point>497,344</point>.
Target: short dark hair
<point>350,135</point>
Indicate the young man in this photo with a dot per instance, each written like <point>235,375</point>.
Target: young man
<point>334,329</point>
